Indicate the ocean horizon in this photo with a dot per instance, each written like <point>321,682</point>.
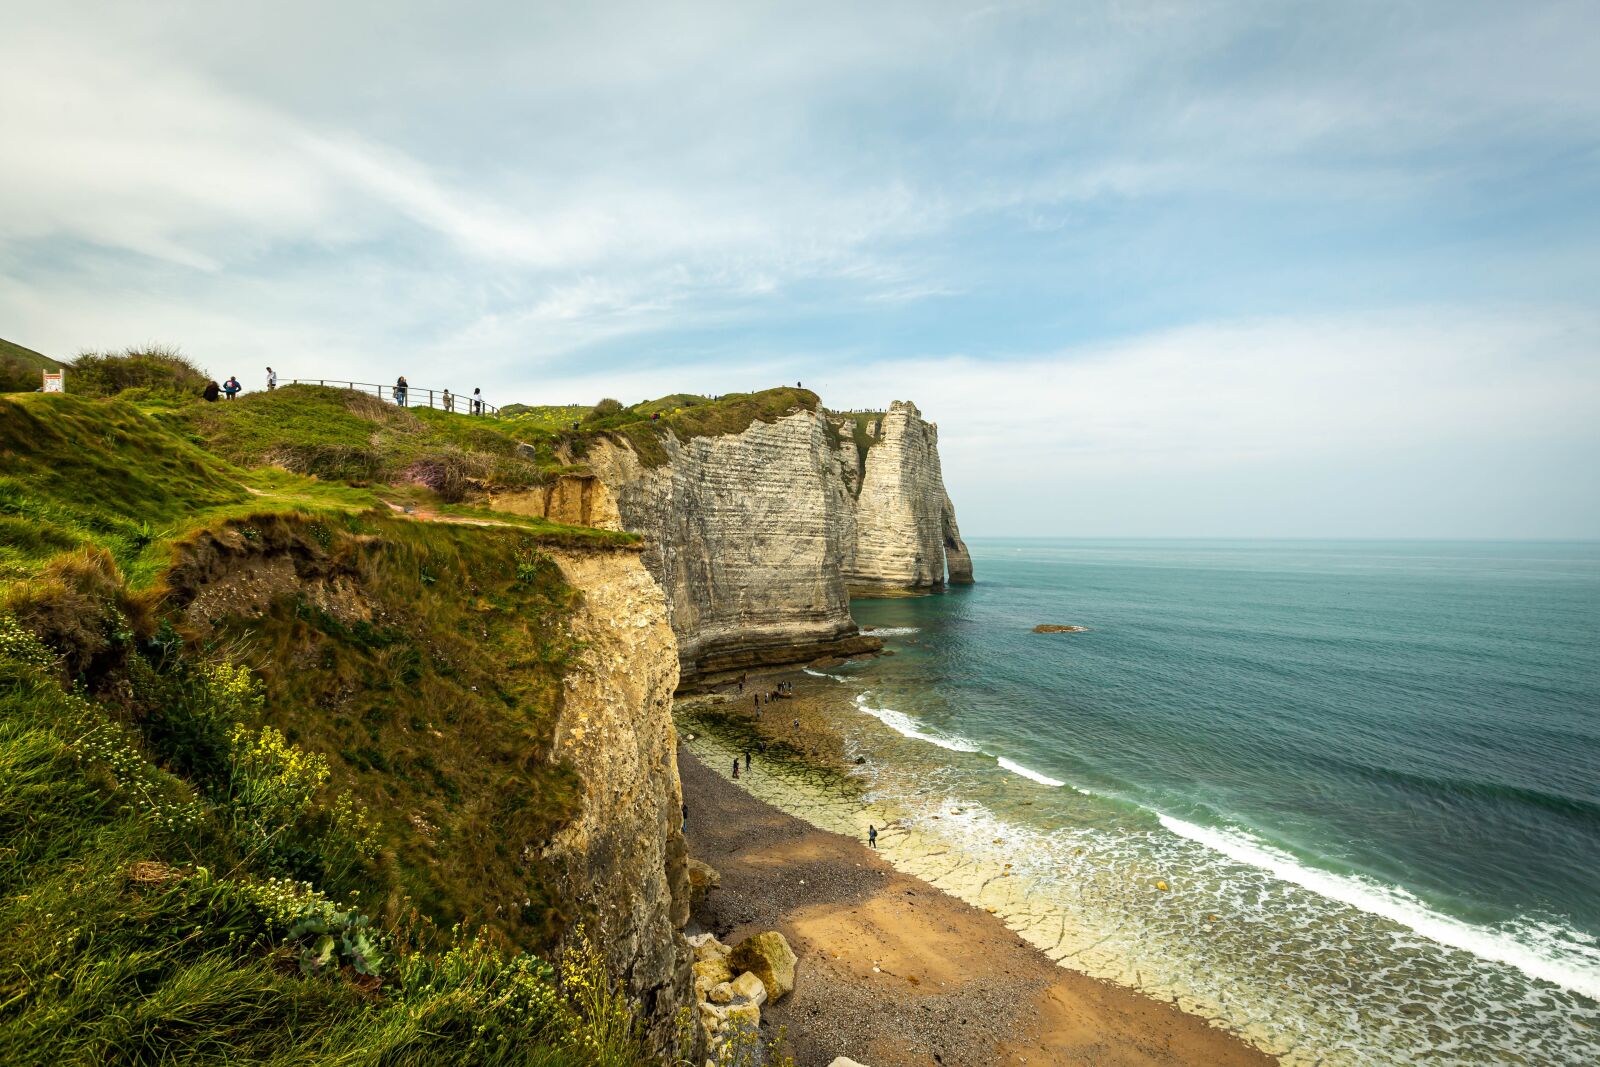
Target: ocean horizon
<point>1336,796</point>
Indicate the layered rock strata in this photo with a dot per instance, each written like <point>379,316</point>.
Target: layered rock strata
<point>906,538</point>
<point>759,538</point>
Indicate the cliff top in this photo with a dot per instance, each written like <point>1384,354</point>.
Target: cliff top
<point>107,473</point>
<point>642,426</point>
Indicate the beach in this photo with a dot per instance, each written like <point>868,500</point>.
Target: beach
<point>895,973</point>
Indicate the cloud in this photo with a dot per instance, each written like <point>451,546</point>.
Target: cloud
<point>1185,203</point>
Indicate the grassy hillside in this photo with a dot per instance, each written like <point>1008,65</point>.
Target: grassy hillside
<point>276,757</point>
<point>20,367</point>
<point>153,909</point>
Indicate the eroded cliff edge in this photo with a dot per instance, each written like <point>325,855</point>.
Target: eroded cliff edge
<point>759,537</point>
<point>531,824</point>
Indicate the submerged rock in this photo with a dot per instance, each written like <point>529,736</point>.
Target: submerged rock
<point>1053,628</point>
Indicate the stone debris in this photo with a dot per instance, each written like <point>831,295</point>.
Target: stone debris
<point>728,996</point>
<point>703,878</point>
<point>769,957</point>
<point>846,1061</point>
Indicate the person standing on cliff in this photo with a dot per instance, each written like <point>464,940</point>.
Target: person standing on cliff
<point>400,389</point>
<point>272,379</point>
<point>872,836</point>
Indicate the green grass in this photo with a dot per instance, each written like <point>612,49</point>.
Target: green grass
<point>684,415</point>
<point>77,472</point>
<point>138,928</point>
<point>26,359</point>
<point>544,416</point>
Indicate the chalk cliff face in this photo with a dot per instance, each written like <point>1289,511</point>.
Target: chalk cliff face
<point>623,858</point>
<point>905,524</point>
<point>759,538</point>
<point>746,532</point>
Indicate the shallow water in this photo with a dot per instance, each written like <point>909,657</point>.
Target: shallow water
<point>1364,774</point>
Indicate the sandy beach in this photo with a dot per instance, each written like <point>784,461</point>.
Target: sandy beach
<point>895,973</point>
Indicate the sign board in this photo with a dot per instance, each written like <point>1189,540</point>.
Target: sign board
<point>55,381</point>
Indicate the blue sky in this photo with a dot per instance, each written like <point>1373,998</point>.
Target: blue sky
<point>1157,269</point>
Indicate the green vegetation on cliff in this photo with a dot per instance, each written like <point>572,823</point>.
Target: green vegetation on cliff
<point>643,426</point>
<point>152,909</point>
<point>277,759</point>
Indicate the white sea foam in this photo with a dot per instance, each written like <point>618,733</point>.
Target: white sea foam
<point>893,631</point>
<point>906,726</point>
<point>1017,768</point>
<point>824,674</point>
<point>1552,954</point>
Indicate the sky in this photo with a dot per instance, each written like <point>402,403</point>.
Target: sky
<point>1164,269</point>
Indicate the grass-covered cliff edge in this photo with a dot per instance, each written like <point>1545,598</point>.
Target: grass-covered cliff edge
<point>287,775</point>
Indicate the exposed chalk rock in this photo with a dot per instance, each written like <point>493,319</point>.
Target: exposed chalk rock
<point>703,878</point>
<point>622,860</point>
<point>769,957</point>
<point>759,538</point>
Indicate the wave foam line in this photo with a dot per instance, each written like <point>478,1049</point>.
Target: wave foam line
<point>906,726</point>
<point>893,631</point>
<point>1031,775</point>
<point>1557,960</point>
<point>823,674</point>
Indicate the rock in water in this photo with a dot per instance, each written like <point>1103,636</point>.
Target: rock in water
<point>768,957</point>
<point>1052,628</point>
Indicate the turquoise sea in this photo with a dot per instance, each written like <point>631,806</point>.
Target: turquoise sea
<point>1343,797</point>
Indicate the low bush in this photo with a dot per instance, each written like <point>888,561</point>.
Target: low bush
<point>156,369</point>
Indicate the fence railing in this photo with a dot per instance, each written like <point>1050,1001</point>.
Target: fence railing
<point>414,396</point>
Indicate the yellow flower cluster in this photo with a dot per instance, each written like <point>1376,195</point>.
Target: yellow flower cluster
<point>22,645</point>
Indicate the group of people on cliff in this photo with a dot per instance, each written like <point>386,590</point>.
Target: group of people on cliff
<point>402,393</point>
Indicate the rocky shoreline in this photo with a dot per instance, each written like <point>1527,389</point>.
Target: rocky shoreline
<point>891,971</point>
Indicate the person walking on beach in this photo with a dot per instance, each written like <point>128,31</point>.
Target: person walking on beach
<point>872,836</point>
<point>272,379</point>
<point>736,768</point>
<point>400,388</point>
<point>797,724</point>
<point>747,761</point>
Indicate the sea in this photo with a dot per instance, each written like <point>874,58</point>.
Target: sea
<point>1341,798</point>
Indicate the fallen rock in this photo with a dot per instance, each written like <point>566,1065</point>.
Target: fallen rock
<point>768,957</point>
<point>748,987</point>
<point>703,878</point>
<point>1051,628</point>
<point>845,1061</point>
<point>707,947</point>
<point>708,974</point>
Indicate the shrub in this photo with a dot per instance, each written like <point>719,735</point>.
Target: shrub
<point>605,409</point>
<point>157,369</point>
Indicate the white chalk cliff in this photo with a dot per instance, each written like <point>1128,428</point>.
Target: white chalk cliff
<point>758,538</point>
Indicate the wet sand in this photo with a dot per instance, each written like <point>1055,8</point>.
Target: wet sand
<point>895,973</point>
